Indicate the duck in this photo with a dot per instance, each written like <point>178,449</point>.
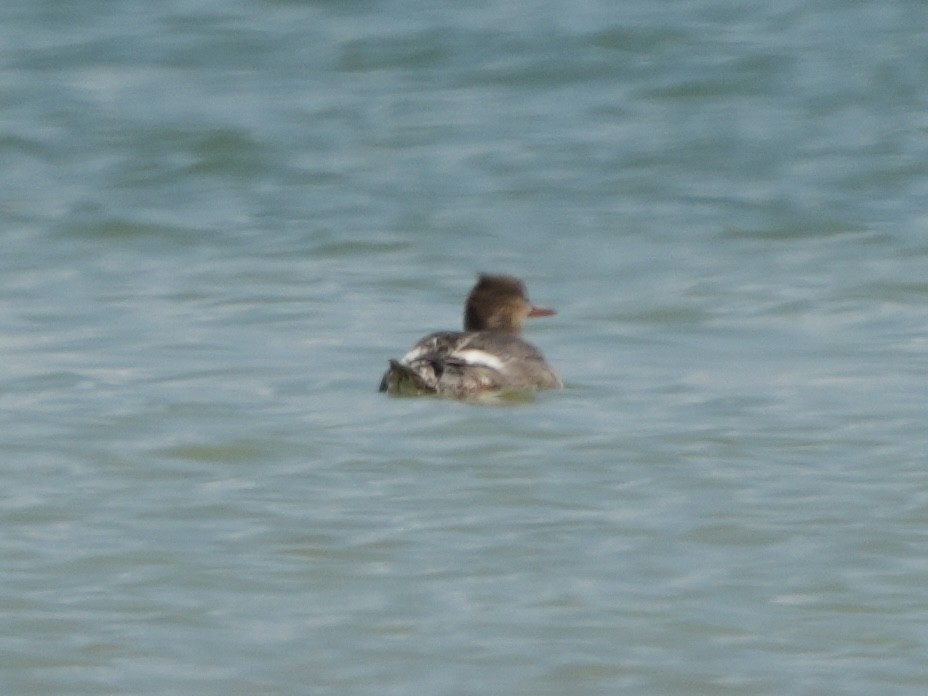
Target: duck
<point>488,356</point>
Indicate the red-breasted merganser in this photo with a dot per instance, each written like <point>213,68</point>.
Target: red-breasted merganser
<point>489,355</point>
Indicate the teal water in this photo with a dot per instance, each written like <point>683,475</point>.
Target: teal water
<point>220,219</point>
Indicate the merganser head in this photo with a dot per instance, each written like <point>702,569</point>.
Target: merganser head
<point>499,303</point>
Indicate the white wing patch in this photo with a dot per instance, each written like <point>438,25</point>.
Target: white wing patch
<point>475,356</point>
<point>414,354</point>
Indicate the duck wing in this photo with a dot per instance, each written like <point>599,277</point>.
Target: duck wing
<point>421,368</point>
<point>503,360</point>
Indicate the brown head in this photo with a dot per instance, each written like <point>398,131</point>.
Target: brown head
<point>499,303</point>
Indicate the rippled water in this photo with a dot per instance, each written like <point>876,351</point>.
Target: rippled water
<point>220,219</point>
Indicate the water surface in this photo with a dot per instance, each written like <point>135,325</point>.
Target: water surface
<point>220,220</point>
